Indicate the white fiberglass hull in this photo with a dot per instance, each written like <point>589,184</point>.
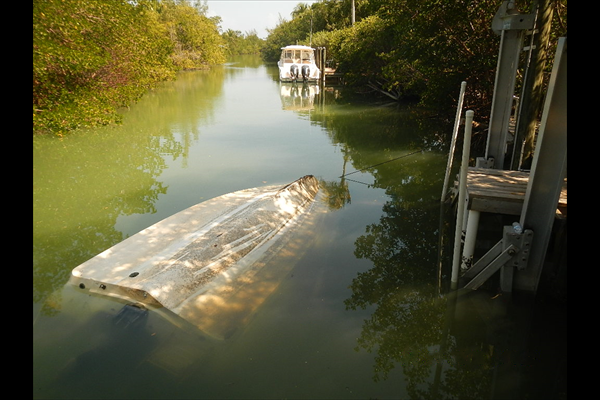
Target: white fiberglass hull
<point>294,73</point>
<point>206,264</point>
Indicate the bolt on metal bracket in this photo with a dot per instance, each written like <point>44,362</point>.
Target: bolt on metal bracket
<point>520,240</point>
<point>511,252</point>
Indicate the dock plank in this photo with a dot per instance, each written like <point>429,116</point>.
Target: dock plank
<point>501,191</point>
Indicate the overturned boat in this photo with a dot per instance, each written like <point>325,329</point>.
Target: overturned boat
<point>297,64</point>
<point>208,265</point>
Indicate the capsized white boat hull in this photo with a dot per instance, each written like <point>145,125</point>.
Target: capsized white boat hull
<point>208,264</point>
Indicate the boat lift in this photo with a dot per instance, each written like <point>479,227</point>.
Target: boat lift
<point>519,255</point>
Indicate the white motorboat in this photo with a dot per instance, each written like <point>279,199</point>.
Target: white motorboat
<point>297,64</point>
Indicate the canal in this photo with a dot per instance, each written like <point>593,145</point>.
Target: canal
<point>363,312</point>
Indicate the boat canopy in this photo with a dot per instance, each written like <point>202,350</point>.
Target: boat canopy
<point>297,54</point>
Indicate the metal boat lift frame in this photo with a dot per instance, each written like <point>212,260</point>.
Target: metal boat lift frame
<point>519,250</point>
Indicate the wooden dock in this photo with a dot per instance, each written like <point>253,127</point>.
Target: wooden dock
<point>331,75</point>
<point>502,191</point>
<point>328,71</point>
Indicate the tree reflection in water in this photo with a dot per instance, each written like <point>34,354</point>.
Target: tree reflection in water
<point>412,325</point>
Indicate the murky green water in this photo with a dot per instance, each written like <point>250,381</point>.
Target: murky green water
<point>363,313</point>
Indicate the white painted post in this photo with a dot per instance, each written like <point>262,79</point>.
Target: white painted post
<point>462,196</point>
<point>470,237</point>
<point>324,63</point>
<point>461,97</point>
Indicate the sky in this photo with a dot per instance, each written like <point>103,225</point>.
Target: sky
<point>248,15</point>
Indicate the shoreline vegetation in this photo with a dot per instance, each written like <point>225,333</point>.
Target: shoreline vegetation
<point>91,58</point>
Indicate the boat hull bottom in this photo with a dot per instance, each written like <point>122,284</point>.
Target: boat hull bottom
<point>212,264</point>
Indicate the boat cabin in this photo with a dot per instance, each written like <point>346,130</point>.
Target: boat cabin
<point>297,55</point>
<point>297,63</point>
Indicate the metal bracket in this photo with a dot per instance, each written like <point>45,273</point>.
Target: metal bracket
<point>508,18</point>
<point>514,235</point>
<point>482,162</point>
<point>509,253</point>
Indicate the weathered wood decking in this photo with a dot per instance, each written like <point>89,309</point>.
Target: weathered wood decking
<point>331,75</point>
<point>501,191</point>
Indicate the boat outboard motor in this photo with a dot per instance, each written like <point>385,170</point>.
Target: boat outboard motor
<point>305,72</point>
<point>294,72</point>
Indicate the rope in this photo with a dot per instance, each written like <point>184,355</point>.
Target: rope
<point>381,163</point>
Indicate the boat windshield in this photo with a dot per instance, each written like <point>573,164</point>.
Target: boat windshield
<point>304,56</point>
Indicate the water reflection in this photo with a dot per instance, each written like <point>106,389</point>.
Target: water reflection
<point>406,325</point>
<point>337,194</point>
<point>76,204</point>
<point>85,181</point>
<point>465,344</point>
<point>447,346</point>
<point>411,326</point>
<point>298,96</point>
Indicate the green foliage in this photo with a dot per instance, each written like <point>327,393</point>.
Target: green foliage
<point>92,57</point>
<point>367,43</point>
<point>407,48</point>
<point>238,43</point>
<point>319,18</point>
<point>196,38</point>
<point>439,44</point>
<point>285,33</point>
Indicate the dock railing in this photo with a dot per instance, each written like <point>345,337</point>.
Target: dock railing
<point>457,118</point>
<point>462,197</point>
